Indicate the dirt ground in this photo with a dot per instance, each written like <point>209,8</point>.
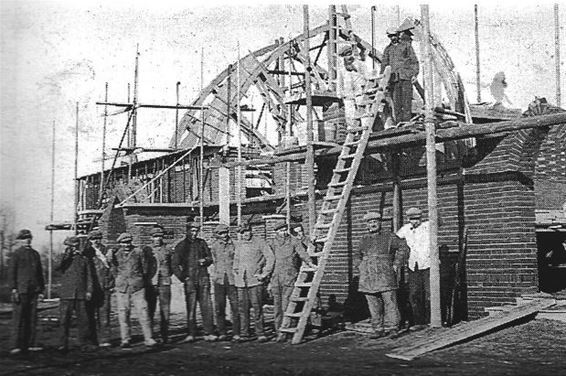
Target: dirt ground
<point>537,347</point>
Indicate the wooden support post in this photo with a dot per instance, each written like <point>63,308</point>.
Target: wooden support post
<point>557,54</point>
<point>476,32</point>
<point>331,50</point>
<point>201,159</point>
<point>373,36</point>
<point>103,147</point>
<point>228,104</point>
<point>239,168</point>
<point>75,209</point>
<point>310,150</point>
<point>435,316</point>
<point>397,209</point>
<point>50,256</point>
<point>177,116</point>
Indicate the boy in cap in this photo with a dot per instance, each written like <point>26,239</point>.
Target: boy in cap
<point>77,285</point>
<point>191,259</point>
<point>99,306</point>
<point>378,258</point>
<point>160,283</point>
<point>222,250</point>
<point>416,234</point>
<point>27,284</point>
<point>285,271</point>
<point>253,261</point>
<point>130,267</point>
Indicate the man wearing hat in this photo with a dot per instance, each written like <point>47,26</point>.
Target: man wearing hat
<point>160,282</point>
<point>352,81</point>
<point>252,262</point>
<point>222,249</point>
<point>130,267</point>
<point>416,234</point>
<point>378,258</point>
<point>27,285</point>
<point>77,285</point>
<point>400,55</point>
<point>285,270</point>
<point>99,307</point>
<point>191,259</point>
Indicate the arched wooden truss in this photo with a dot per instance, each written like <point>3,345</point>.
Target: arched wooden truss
<point>260,69</point>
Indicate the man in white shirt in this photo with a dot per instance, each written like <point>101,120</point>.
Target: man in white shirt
<point>416,234</point>
<point>352,81</point>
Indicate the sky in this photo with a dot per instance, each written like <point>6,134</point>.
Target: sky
<point>55,54</point>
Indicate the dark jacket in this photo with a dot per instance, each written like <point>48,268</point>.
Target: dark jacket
<point>130,268</point>
<point>185,260</point>
<point>402,59</point>
<point>376,256</point>
<point>285,250</point>
<point>77,277</point>
<point>26,274</point>
<point>162,269</point>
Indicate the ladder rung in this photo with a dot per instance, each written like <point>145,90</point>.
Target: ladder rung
<point>288,330</point>
<point>329,211</point>
<point>300,299</point>
<point>341,170</point>
<point>332,198</point>
<point>304,284</point>
<point>321,240</point>
<point>308,269</point>
<point>323,225</point>
<point>356,129</point>
<point>339,184</point>
<point>316,254</point>
<point>294,314</point>
<point>347,156</point>
<point>351,143</point>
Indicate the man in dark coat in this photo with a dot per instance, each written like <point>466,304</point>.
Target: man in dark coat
<point>222,250</point>
<point>378,258</point>
<point>130,268</point>
<point>100,304</point>
<point>160,283</point>
<point>77,285</point>
<point>190,261</point>
<point>27,285</point>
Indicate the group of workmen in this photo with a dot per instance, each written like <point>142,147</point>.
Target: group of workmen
<point>354,81</point>
<point>142,276</point>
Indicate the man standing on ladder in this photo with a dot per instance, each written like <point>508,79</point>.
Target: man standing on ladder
<point>285,249</point>
<point>378,259</point>
<point>352,81</point>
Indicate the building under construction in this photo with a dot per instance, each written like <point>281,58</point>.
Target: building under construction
<point>501,174</point>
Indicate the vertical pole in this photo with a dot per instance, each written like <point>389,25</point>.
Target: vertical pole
<point>373,36</point>
<point>177,117</point>
<point>201,162</point>
<point>557,54</point>
<point>310,151</point>
<point>331,50</point>
<point>477,35</point>
<point>398,15</point>
<point>228,106</point>
<point>239,177</point>
<point>134,117</point>
<point>50,256</point>
<point>435,317</point>
<point>102,152</point>
<point>75,210</point>
<point>288,131</point>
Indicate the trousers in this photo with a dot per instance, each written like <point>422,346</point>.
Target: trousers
<point>137,299</point>
<point>254,295</point>
<point>221,292</point>
<point>67,307</point>
<point>419,295</point>
<point>383,310</point>
<point>24,322</point>
<point>198,291</point>
<point>163,295</point>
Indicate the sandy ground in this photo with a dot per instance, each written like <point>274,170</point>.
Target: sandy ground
<point>536,347</point>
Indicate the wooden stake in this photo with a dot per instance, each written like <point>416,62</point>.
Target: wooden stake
<point>310,150</point>
<point>331,49</point>
<point>435,316</point>
<point>75,209</point>
<point>557,53</point>
<point>373,36</point>
<point>476,32</point>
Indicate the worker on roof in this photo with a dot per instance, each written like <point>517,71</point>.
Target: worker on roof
<point>378,258</point>
<point>352,82</point>
<point>400,55</point>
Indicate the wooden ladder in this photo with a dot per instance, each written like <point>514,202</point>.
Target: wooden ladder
<point>329,217</point>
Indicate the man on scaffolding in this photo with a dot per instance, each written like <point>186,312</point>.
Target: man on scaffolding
<point>352,82</point>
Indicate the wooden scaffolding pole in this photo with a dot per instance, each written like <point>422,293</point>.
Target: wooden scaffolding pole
<point>557,54</point>
<point>177,115</point>
<point>75,210</point>
<point>50,256</point>
<point>103,147</point>
<point>201,159</point>
<point>435,316</point>
<point>239,126</point>
<point>373,36</point>
<point>477,36</point>
<point>310,150</point>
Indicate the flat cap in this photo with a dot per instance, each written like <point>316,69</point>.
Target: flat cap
<point>193,224</point>
<point>95,234</point>
<point>24,234</point>
<point>371,215</point>
<point>406,25</point>
<point>391,31</point>
<point>414,213</point>
<point>221,228</point>
<point>72,241</point>
<point>280,226</point>
<point>157,231</point>
<point>124,237</point>
<point>345,51</point>
<point>244,227</point>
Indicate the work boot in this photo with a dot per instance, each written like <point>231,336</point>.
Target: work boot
<point>378,333</point>
<point>150,342</point>
<point>210,338</point>
<point>189,338</point>
<point>262,339</point>
<point>125,344</point>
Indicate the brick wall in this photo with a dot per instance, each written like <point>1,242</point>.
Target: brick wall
<point>550,170</point>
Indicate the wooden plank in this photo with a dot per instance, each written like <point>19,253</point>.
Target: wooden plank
<point>469,330</point>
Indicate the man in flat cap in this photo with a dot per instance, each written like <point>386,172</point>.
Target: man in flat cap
<point>352,82</point>
<point>391,53</point>
<point>416,234</point>
<point>253,261</point>
<point>27,285</point>
<point>222,249</point>
<point>159,286</point>
<point>285,270</point>
<point>191,259</point>
<point>77,285</point>
<point>130,266</point>
<point>99,307</point>
<point>378,258</point>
